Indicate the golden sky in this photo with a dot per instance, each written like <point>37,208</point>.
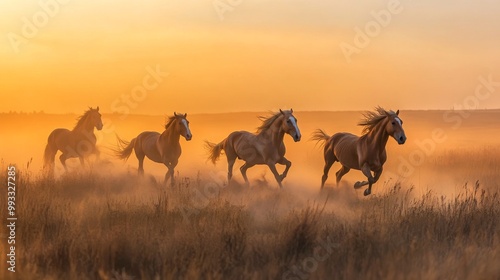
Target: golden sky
<point>246,55</point>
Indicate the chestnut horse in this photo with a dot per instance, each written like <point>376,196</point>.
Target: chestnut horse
<point>161,148</point>
<point>264,147</point>
<point>79,142</point>
<point>366,153</point>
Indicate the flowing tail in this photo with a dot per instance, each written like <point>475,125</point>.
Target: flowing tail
<point>49,153</point>
<point>214,150</point>
<point>320,136</point>
<point>124,148</point>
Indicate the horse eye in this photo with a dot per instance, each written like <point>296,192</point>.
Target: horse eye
<point>393,123</point>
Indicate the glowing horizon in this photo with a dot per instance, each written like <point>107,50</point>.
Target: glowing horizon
<point>208,57</point>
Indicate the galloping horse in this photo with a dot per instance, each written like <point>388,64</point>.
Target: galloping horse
<point>161,148</point>
<point>79,142</point>
<point>265,147</point>
<point>366,153</point>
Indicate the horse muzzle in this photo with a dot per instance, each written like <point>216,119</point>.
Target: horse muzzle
<point>401,140</point>
<point>297,138</point>
<point>188,137</point>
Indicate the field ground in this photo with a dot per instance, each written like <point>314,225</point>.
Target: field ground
<point>101,227</point>
<point>439,221</point>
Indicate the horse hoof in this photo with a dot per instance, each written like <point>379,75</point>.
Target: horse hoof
<point>367,192</point>
<point>357,185</point>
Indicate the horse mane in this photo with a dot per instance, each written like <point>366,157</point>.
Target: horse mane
<point>267,121</point>
<point>170,120</point>
<point>81,119</point>
<point>371,119</point>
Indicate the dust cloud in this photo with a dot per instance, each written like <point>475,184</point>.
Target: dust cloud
<point>467,150</point>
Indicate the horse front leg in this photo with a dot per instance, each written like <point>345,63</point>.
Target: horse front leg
<point>367,172</point>
<point>375,179</point>
<point>169,175</point>
<point>288,164</point>
<point>277,176</point>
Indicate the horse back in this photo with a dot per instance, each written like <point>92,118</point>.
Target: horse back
<point>146,143</point>
<point>345,148</point>
<point>250,147</point>
<point>237,140</point>
<point>59,138</point>
<point>57,132</point>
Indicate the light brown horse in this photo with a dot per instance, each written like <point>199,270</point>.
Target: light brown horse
<point>161,148</point>
<point>264,147</point>
<point>366,153</point>
<point>79,142</point>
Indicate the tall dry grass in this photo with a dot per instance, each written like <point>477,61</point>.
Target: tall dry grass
<point>116,226</point>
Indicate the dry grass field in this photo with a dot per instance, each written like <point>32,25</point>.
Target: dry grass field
<point>441,221</point>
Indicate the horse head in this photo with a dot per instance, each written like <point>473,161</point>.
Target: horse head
<point>394,127</point>
<point>95,118</point>
<point>183,125</point>
<point>289,125</point>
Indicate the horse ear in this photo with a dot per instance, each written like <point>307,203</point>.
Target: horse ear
<point>291,110</point>
<point>397,113</point>
<point>281,112</point>
<point>97,109</point>
<point>185,115</point>
<point>175,114</point>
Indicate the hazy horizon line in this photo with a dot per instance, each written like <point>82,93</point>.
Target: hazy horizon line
<point>236,112</point>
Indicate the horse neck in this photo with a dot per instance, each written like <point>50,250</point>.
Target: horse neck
<point>276,133</point>
<point>171,135</point>
<point>378,136</point>
<point>85,126</point>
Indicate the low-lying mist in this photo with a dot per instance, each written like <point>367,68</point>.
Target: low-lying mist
<point>442,161</point>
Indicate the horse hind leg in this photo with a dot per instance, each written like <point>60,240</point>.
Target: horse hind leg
<point>329,161</point>
<point>140,157</point>
<point>140,169</point>
<point>231,159</point>
<point>243,170</point>
<point>63,159</point>
<point>230,164</point>
<point>49,158</point>
<point>342,171</point>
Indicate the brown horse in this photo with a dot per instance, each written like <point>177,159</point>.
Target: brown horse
<point>366,153</point>
<point>161,148</point>
<point>79,142</point>
<point>264,147</point>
